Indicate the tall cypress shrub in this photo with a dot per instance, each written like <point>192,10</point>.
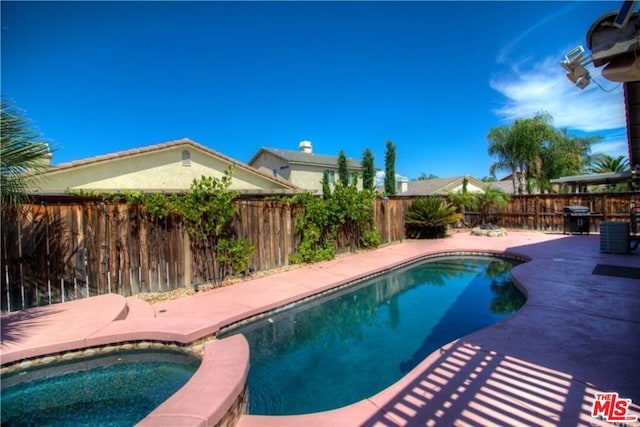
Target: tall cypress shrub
<point>368,170</point>
<point>390,169</point>
<point>343,169</point>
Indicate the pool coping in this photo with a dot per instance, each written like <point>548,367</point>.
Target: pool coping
<point>357,281</point>
<point>204,313</point>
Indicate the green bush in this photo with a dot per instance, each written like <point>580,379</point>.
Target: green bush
<point>468,201</point>
<point>428,217</point>
<point>493,199</point>
<point>207,212</point>
<point>370,239</point>
<point>234,255</point>
<point>315,228</point>
<point>345,212</point>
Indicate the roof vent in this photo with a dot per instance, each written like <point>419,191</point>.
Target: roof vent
<point>305,147</point>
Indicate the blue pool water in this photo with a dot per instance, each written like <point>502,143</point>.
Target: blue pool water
<point>115,390</point>
<point>349,345</point>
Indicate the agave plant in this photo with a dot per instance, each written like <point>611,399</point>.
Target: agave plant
<point>428,217</point>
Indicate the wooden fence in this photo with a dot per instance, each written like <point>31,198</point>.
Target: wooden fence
<point>58,251</point>
<point>65,248</point>
<point>544,212</point>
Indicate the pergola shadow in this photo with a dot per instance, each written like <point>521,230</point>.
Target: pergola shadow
<point>468,385</point>
<point>577,335</point>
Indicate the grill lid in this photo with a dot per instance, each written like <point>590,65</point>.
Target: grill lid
<point>576,210</point>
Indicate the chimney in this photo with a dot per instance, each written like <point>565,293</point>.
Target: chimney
<point>46,158</point>
<point>402,184</point>
<point>305,147</point>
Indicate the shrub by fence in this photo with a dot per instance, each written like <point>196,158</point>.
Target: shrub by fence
<point>64,248</point>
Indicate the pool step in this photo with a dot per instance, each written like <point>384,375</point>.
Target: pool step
<point>139,309</point>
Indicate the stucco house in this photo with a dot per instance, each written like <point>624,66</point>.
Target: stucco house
<point>443,186</point>
<point>303,168</point>
<point>168,167</point>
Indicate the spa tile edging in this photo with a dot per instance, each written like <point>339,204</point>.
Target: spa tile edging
<point>186,332</point>
<point>89,352</point>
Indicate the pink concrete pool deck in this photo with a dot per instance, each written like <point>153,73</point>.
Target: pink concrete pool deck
<point>577,335</point>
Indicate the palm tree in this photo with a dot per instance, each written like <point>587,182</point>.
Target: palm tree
<point>22,156</point>
<point>501,145</point>
<point>603,163</point>
<point>518,148</point>
<point>564,155</point>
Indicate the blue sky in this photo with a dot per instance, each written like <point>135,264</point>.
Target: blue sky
<point>433,77</point>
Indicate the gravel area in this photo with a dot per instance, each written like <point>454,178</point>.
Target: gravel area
<point>155,297</point>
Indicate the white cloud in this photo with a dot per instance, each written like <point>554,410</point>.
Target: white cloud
<point>614,144</point>
<point>505,53</point>
<point>613,148</point>
<point>544,87</point>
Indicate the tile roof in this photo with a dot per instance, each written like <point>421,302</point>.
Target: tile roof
<point>506,186</point>
<point>427,187</point>
<point>308,158</point>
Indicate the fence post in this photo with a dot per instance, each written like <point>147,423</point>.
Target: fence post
<point>386,201</point>
<point>604,207</point>
<point>187,259</point>
<point>537,212</point>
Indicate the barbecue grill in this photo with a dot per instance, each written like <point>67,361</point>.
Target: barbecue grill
<point>576,219</point>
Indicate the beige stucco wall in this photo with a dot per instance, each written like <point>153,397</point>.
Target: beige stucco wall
<point>267,163</point>
<point>161,170</point>
<point>308,177</point>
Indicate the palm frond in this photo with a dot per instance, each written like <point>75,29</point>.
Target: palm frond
<point>22,156</point>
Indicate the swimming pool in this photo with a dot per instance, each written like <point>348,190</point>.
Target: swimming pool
<point>346,346</point>
<point>115,390</point>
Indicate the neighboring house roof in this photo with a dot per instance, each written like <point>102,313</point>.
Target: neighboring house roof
<point>504,186</point>
<point>256,181</point>
<point>299,157</point>
<point>439,186</point>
